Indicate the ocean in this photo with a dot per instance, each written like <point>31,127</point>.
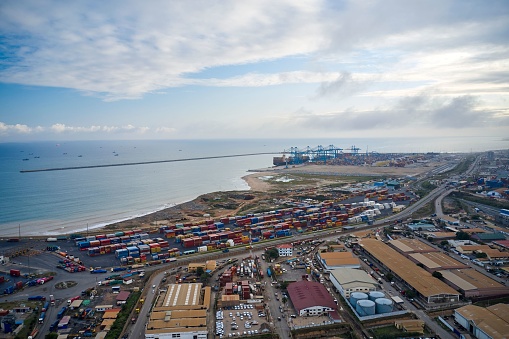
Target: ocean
<point>57,202</point>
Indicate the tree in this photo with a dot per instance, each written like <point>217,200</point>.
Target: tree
<point>462,236</point>
<point>480,255</point>
<point>199,271</point>
<point>444,243</point>
<point>272,253</point>
<point>52,335</point>
<point>284,300</point>
<point>437,274</point>
<point>389,276</point>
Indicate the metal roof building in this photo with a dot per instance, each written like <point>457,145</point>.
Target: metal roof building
<point>310,298</point>
<point>181,312</point>
<point>348,280</point>
<point>333,260</point>
<point>430,288</point>
<point>473,283</point>
<point>490,322</point>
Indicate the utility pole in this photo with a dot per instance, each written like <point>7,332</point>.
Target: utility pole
<point>19,232</point>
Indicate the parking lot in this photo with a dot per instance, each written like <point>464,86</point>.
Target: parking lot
<point>239,321</point>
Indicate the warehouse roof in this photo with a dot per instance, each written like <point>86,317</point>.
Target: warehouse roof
<point>349,275</point>
<point>470,279</point>
<point>488,319</point>
<point>182,294</point>
<point>305,294</point>
<point>437,260</point>
<point>417,277</point>
<point>411,245</point>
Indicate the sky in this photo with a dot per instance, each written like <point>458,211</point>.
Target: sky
<point>101,70</point>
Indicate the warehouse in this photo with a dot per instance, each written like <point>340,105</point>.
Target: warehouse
<point>431,289</point>
<point>436,261</point>
<point>310,298</point>
<point>180,312</point>
<point>406,246</point>
<point>349,280</point>
<point>483,323</point>
<point>334,260</point>
<point>473,284</point>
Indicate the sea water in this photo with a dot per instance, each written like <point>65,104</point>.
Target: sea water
<point>57,202</point>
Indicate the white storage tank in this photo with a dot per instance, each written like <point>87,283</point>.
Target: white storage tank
<point>365,308</point>
<point>383,305</point>
<point>356,296</point>
<point>374,295</point>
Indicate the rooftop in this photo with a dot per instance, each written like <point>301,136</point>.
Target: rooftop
<point>491,320</point>
<point>437,260</point>
<point>349,275</point>
<point>411,246</point>
<point>305,294</point>
<point>470,279</point>
<point>417,277</point>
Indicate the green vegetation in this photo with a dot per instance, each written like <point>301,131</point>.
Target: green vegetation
<point>389,332</point>
<point>51,335</point>
<point>271,253</point>
<point>425,210</point>
<point>123,316</point>
<point>480,200</point>
<point>462,236</point>
<point>422,189</point>
<point>462,167</point>
<point>29,325</point>
<point>437,274</point>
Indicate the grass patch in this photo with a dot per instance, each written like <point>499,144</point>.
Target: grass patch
<point>123,316</point>
<point>425,211</point>
<point>480,200</point>
<point>424,188</point>
<point>28,326</point>
<point>389,332</point>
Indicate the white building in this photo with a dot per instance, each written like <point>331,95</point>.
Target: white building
<point>310,298</point>
<point>349,280</point>
<point>285,250</point>
<point>484,323</point>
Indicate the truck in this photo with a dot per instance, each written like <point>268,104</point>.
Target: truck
<point>52,299</point>
<point>14,273</point>
<point>226,250</point>
<point>37,297</point>
<point>98,271</point>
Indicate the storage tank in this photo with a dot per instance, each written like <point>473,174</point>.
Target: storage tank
<point>383,305</point>
<point>374,295</point>
<point>365,307</point>
<point>356,296</point>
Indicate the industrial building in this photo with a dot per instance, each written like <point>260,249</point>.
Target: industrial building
<point>311,298</point>
<point>180,312</point>
<point>406,246</point>
<point>431,289</point>
<point>209,265</point>
<point>484,323</point>
<point>285,250</point>
<point>473,284</point>
<point>435,261</point>
<point>349,280</point>
<point>334,260</point>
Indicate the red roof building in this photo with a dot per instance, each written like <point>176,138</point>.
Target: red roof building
<point>311,298</point>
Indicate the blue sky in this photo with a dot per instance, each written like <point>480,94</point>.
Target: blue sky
<point>86,70</point>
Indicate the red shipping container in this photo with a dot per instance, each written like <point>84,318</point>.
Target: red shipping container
<point>15,273</point>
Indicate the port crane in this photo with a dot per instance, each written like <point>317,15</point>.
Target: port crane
<point>317,154</point>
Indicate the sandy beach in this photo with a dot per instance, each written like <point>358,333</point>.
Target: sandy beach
<point>219,204</point>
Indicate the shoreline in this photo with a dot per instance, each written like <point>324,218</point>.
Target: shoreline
<point>198,207</point>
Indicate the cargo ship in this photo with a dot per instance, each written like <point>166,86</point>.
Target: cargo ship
<point>283,161</point>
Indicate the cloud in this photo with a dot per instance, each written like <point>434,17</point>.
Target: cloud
<point>17,129</point>
<point>424,111</point>
<point>125,52</point>
<point>62,128</point>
